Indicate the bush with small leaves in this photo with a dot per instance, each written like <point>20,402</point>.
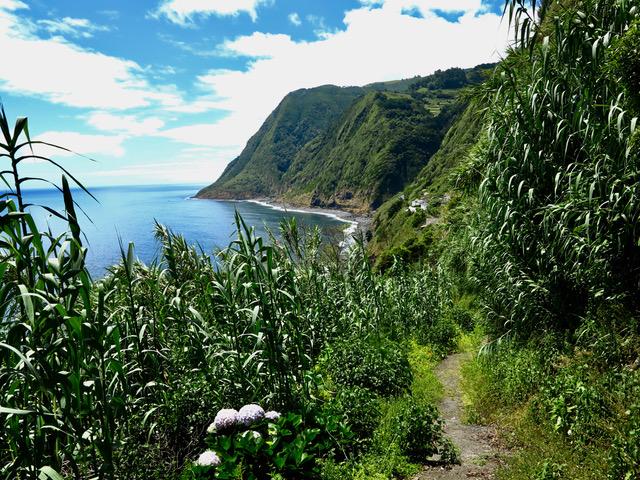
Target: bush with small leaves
<point>360,409</point>
<point>382,368</point>
<point>418,430</point>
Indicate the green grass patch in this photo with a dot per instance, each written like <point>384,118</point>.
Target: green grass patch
<point>425,387</point>
<point>408,429</point>
<point>562,415</point>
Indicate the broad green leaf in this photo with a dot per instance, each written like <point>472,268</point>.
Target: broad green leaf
<point>49,473</point>
<point>15,411</point>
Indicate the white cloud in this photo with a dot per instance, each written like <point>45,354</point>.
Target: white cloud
<point>190,167</point>
<point>267,45</point>
<point>74,27</point>
<point>377,44</point>
<point>110,14</point>
<point>426,5</point>
<point>107,145</point>
<point>12,4</point>
<point>126,124</point>
<point>64,73</point>
<point>294,18</point>
<point>183,12</point>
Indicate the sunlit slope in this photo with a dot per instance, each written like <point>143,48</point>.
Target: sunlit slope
<point>349,147</point>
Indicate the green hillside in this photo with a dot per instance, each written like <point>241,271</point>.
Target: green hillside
<point>408,235</point>
<point>351,147</point>
<point>301,116</point>
<point>380,144</point>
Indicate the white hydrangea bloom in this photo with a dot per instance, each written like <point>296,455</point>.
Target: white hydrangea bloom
<point>208,459</point>
<point>225,419</point>
<point>272,415</point>
<point>250,414</point>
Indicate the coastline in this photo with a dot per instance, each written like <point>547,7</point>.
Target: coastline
<point>342,215</point>
<point>358,224</point>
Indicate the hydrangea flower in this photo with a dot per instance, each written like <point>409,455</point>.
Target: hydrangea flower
<point>225,419</point>
<point>208,459</point>
<point>250,414</point>
<point>272,415</point>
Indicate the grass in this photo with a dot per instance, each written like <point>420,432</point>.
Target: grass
<point>507,387</point>
<point>426,387</point>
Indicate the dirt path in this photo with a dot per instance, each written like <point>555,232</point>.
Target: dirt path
<point>479,451</point>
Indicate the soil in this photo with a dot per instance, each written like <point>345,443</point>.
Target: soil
<point>480,451</point>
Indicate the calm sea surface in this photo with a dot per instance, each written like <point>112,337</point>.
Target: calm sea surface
<point>129,212</point>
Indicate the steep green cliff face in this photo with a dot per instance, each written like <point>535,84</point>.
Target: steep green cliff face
<point>301,116</point>
<point>380,144</point>
<point>407,225</point>
<point>349,148</point>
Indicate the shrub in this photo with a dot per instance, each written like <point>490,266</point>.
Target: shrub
<point>332,470</point>
<point>518,370</point>
<point>550,471</point>
<point>418,218</point>
<point>388,462</point>
<point>441,334</point>
<point>626,62</point>
<point>259,445</point>
<point>394,207</point>
<point>463,318</point>
<point>382,368</point>
<point>417,430</point>
<point>574,403</point>
<point>360,410</point>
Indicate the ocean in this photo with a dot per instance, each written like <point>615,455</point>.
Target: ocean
<point>128,213</point>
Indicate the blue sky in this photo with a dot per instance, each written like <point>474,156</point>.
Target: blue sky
<point>169,91</point>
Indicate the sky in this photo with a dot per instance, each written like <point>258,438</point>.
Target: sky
<point>169,91</point>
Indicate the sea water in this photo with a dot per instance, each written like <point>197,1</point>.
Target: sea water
<point>128,214</point>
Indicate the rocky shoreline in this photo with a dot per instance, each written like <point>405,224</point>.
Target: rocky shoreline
<point>359,223</point>
<point>343,215</point>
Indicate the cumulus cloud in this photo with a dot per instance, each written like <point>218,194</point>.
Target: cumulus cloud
<point>107,145</point>
<point>183,12</point>
<point>377,44</point>
<point>125,124</point>
<point>64,73</point>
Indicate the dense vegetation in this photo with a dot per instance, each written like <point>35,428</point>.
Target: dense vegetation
<point>557,239</point>
<point>122,377</point>
<point>518,235</point>
<point>347,147</point>
<point>536,222</point>
<point>381,143</point>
